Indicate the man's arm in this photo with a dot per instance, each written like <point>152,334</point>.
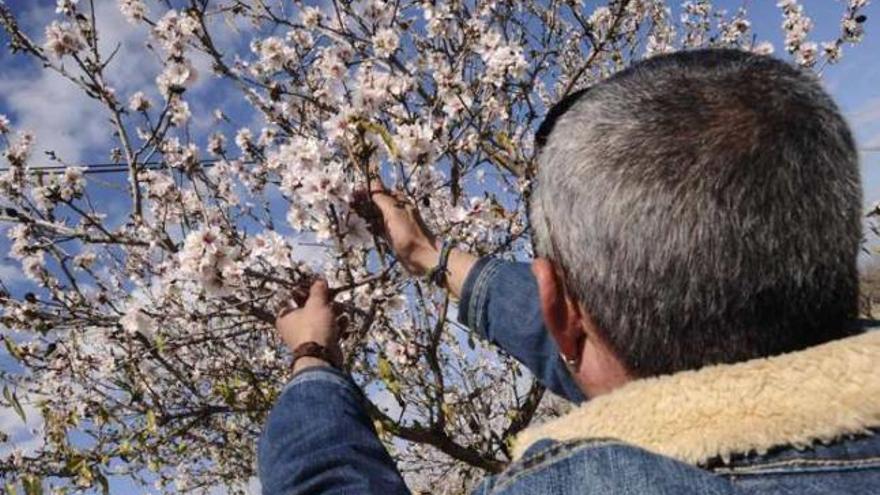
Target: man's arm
<point>497,299</point>
<point>318,438</point>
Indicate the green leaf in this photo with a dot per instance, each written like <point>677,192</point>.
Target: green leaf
<point>227,392</point>
<point>383,133</point>
<point>13,349</point>
<point>75,463</point>
<point>448,411</point>
<point>12,399</point>
<point>386,373</point>
<point>151,421</point>
<point>32,485</point>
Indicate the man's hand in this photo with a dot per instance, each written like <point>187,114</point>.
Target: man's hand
<point>315,321</point>
<point>412,242</point>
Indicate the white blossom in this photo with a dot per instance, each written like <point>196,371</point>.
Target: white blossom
<point>85,260</point>
<point>216,143</point>
<point>179,112</point>
<point>325,185</point>
<point>806,53</point>
<point>62,39</point>
<point>274,54</point>
<point>208,259</point>
<point>139,102</point>
<point>175,77</point>
<point>502,59</point>
<point>244,139</point>
<point>72,183</point>
<point>763,48</point>
<point>271,247</point>
<point>297,217</point>
<point>414,141</point>
<point>853,31</point>
<point>136,321</point>
<point>34,267</point>
<point>310,16</point>
<point>833,51</point>
<point>385,42</point>
<point>601,19</point>
<point>133,10</point>
<point>174,29</point>
<point>331,65</point>
<point>66,7</point>
<point>356,232</point>
<point>796,26</point>
<point>19,150</point>
<point>337,125</point>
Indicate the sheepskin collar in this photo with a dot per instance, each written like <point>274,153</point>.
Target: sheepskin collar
<point>817,394</point>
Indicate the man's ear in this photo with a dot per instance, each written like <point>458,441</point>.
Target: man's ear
<point>562,314</point>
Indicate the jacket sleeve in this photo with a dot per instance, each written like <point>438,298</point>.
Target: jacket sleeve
<point>499,302</point>
<point>319,440</point>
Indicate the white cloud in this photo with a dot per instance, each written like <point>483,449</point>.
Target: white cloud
<point>873,143</point>
<point>868,114</point>
<point>62,117</point>
<point>21,433</point>
<point>11,274</point>
<point>306,249</point>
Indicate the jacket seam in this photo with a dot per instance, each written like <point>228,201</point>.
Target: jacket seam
<point>548,455</point>
<point>318,374</point>
<point>480,295</point>
<point>760,468</point>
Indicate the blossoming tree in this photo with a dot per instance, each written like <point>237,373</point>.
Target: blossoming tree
<point>146,343</point>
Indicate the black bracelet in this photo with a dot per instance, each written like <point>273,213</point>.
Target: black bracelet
<point>436,274</point>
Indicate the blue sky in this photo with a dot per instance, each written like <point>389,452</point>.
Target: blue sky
<point>72,125</point>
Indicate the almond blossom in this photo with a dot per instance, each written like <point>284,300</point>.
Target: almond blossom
<point>133,10</point>
<point>62,39</point>
<point>139,102</point>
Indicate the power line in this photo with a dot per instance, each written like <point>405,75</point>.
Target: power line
<point>112,168</point>
<point>107,168</point>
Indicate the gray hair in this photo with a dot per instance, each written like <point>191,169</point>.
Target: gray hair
<point>705,207</point>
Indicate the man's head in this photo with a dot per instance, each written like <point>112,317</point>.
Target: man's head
<point>697,208</point>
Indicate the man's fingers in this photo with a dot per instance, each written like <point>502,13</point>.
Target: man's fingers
<point>384,200</point>
<point>379,194</point>
<point>376,184</point>
<point>299,296</point>
<point>319,294</point>
<point>283,310</point>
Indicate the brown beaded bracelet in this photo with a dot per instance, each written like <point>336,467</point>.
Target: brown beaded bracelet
<point>315,350</point>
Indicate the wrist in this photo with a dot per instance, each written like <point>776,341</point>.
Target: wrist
<point>309,362</point>
<point>426,257</point>
<point>314,353</point>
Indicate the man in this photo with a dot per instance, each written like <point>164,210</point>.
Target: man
<point>697,220</point>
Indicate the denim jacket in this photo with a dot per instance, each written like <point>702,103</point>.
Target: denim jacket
<point>797,423</point>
